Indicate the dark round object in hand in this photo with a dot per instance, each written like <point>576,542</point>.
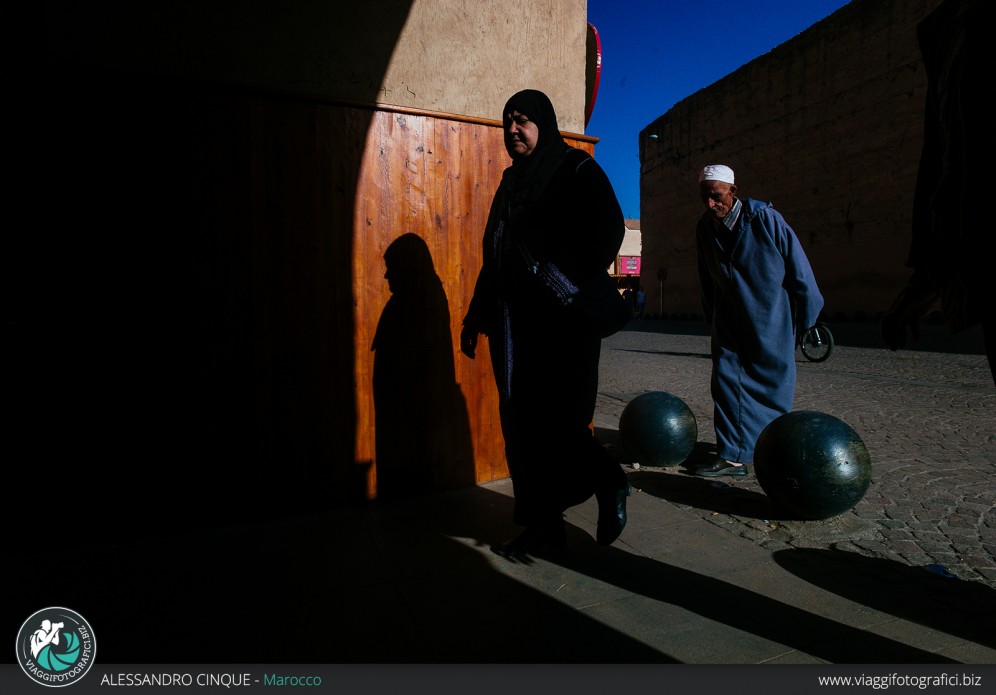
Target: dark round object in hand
<point>658,429</point>
<point>812,465</point>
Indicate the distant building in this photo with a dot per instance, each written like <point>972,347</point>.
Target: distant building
<point>828,127</point>
<point>628,263</point>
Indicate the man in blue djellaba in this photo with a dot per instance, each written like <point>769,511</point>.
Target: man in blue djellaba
<point>758,291</point>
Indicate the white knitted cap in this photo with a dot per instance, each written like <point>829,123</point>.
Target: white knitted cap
<point>716,172</point>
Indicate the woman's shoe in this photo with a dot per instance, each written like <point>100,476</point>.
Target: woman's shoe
<point>533,539</point>
<point>611,513</point>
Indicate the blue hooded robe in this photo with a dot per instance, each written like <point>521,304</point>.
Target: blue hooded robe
<point>758,291</point>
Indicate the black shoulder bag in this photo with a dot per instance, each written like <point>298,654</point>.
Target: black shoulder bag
<point>597,305</point>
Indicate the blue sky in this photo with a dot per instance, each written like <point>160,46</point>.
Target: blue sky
<point>657,52</point>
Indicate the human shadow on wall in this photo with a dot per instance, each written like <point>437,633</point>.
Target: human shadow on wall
<point>423,442</point>
<point>957,607</point>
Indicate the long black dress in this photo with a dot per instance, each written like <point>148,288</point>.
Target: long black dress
<point>565,212</point>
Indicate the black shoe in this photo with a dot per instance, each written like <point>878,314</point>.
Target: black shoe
<point>611,513</point>
<point>533,539</point>
<point>720,467</point>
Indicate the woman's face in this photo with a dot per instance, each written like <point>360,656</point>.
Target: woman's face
<point>521,135</point>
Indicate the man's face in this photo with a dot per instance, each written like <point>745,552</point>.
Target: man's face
<point>717,197</point>
<point>521,135</point>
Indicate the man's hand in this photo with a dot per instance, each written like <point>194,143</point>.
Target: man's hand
<point>468,342</point>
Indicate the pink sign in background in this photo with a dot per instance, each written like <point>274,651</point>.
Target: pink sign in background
<point>629,265</point>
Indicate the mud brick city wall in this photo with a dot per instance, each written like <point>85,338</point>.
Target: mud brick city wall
<point>828,127</point>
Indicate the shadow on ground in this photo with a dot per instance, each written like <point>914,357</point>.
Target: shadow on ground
<point>934,336</point>
<point>386,583</point>
<point>947,604</point>
<point>676,485</point>
<point>411,583</point>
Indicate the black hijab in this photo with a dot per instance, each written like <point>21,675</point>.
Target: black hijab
<point>528,176</point>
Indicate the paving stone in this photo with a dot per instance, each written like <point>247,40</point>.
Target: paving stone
<point>926,418</point>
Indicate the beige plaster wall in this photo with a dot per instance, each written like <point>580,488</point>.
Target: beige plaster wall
<point>468,57</point>
<point>631,243</point>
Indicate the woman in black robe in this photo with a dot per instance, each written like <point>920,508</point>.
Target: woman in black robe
<point>554,211</point>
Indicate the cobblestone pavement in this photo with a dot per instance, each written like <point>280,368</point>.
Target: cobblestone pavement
<point>928,420</point>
